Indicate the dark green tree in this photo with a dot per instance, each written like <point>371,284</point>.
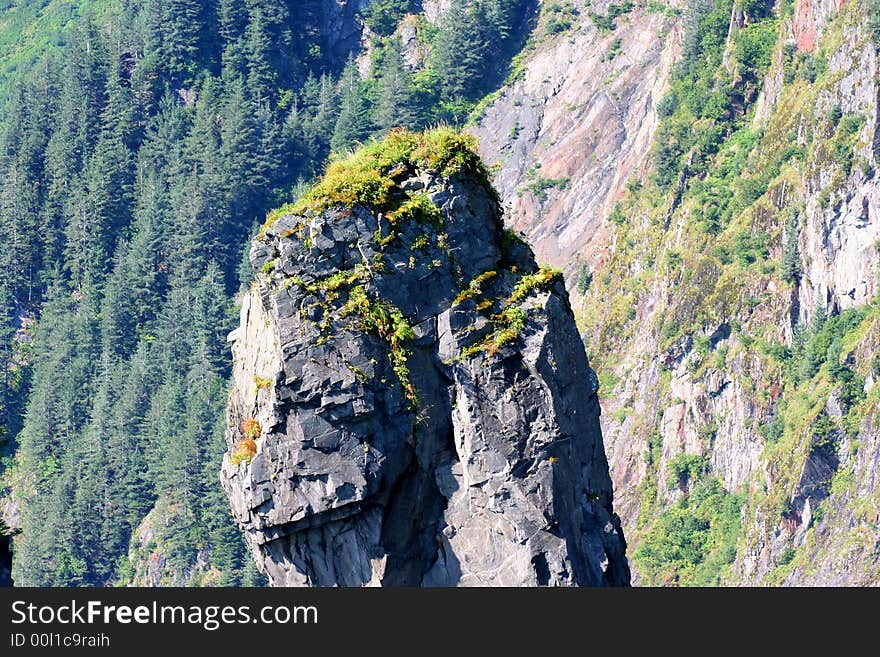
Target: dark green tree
<point>792,267</point>
<point>396,105</point>
<point>459,51</point>
<point>353,123</point>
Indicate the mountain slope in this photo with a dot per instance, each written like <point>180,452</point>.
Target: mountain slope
<point>578,122</point>
<point>728,297</point>
<point>31,30</point>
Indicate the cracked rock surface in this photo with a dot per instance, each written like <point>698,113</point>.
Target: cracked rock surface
<point>407,433</point>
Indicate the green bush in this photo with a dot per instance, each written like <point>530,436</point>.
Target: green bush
<point>749,248</point>
<point>754,46</point>
<point>820,346</point>
<point>613,50</point>
<point>667,105</point>
<point>606,23</point>
<point>539,186</point>
<point>787,556</point>
<point>685,469</point>
<point>585,279</point>
<point>383,16</point>
<point>845,137</point>
<point>561,16</point>
<point>617,216</point>
<point>693,542</point>
<point>772,431</point>
<point>835,115</point>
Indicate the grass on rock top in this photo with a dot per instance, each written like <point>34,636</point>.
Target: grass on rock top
<point>368,175</point>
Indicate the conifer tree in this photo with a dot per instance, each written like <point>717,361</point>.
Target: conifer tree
<point>395,102</point>
<point>459,49</point>
<point>321,106</point>
<point>262,75</point>
<point>353,123</point>
<point>180,30</point>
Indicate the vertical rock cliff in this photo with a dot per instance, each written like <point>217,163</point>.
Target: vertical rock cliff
<point>577,122</point>
<point>412,404</point>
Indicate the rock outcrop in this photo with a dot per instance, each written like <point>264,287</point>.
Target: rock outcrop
<point>341,29</point>
<point>810,16</point>
<point>412,403</point>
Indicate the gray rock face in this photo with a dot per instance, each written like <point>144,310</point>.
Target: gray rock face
<point>409,434</point>
<point>5,557</point>
<point>341,29</point>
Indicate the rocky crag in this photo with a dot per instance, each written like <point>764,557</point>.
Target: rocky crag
<point>412,404</point>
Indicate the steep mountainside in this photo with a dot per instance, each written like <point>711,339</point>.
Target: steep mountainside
<point>729,294</point>
<point>704,172</point>
<point>577,123</point>
<point>753,341</point>
<point>412,404</point>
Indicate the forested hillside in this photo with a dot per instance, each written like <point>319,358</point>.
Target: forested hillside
<point>734,319</point>
<point>134,166</point>
<point>33,32</point>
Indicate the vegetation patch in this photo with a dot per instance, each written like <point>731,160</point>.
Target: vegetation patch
<point>388,322</point>
<point>250,428</point>
<point>559,17</point>
<point>417,208</point>
<point>383,16</point>
<point>606,22</point>
<point>539,186</point>
<point>701,104</point>
<point>245,451</point>
<point>693,543</point>
<point>475,287</point>
<point>327,288</point>
<point>246,448</point>
<point>542,280</point>
<point>261,382</point>
<point>368,176</point>
<point>508,324</point>
<point>686,468</point>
